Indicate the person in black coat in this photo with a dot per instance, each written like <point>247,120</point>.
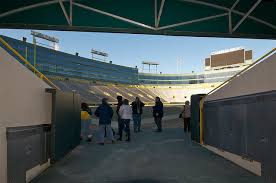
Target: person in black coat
<point>158,113</point>
<point>137,110</point>
<point>119,104</point>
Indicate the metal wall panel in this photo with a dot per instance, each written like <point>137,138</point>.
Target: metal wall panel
<point>246,126</point>
<point>26,148</point>
<point>211,130</point>
<point>66,123</point>
<point>231,123</point>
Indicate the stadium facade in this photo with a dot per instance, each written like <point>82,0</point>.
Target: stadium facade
<point>94,79</point>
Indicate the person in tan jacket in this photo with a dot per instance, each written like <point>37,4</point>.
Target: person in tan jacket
<point>186,115</point>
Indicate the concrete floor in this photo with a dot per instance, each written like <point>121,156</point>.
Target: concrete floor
<point>167,157</point>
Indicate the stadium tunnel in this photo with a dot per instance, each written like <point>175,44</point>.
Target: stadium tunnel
<point>226,121</point>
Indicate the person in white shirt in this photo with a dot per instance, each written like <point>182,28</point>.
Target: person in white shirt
<point>125,113</point>
<point>186,115</point>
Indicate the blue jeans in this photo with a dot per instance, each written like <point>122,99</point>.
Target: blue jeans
<point>137,122</point>
<point>86,131</point>
<point>109,133</point>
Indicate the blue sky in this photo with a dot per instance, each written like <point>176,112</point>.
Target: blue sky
<point>132,49</point>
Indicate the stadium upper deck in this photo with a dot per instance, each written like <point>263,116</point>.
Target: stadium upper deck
<point>57,63</point>
<point>194,78</point>
<point>52,62</point>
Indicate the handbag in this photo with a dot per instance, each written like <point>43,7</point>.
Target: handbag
<point>180,115</point>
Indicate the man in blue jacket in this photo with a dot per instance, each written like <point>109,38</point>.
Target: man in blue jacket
<point>104,112</point>
<point>158,113</point>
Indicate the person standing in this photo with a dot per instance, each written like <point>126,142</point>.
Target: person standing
<point>158,114</point>
<point>137,110</point>
<point>186,115</point>
<point>104,112</point>
<point>126,115</point>
<point>86,122</point>
<point>119,104</point>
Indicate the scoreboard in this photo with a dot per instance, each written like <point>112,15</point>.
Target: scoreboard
<point>228,57</point>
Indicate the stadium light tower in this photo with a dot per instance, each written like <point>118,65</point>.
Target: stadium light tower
<point>179,64</point>
<point>51,39</point>
<point>149,64</point>
<point>99,53</point>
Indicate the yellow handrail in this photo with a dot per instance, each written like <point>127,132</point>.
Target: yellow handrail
<point>201,120</point>
<point>245,69</point>
<point>30,66</point>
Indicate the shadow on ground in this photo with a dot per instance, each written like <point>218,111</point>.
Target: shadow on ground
<point>167,157</point>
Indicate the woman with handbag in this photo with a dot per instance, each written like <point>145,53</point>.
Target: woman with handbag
<point>186,115</point>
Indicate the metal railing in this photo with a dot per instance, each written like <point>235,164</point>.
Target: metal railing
<point>28,64</point>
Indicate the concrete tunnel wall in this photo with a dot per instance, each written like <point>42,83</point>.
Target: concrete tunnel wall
<point>23,102</point>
